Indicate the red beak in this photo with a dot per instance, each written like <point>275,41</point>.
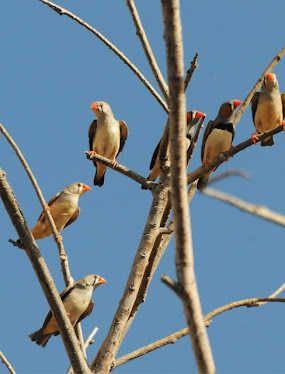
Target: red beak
<point>270,77</point>
<point>237,103</point>
<point>200,114</point>
<point>94,106</point>
<point>86,188</point>
<point>102,280</point>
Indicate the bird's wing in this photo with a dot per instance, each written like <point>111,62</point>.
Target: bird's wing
<point>74,217</point>
<point>283,103</point>
<point>124,132</point>
<point>207,132</point>
<point>87,312</point>
<point>91,134</point>
<point>42,217</point>
<point>154,156</point>
<point>254,102</point>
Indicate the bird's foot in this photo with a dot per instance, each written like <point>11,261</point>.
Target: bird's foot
<point>206,162</point>
<point>283,124</point>
<point>92,154</point>
<point>58,238</point>
<point>47,207</point>
<point>254,138</point>
<point>114,163</point>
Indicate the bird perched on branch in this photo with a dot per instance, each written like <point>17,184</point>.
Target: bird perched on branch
<point>218,137</point>
<point>107,138</point>
<point>192,119</point>
<point>64,210</point>
<point>78,305</point>
<point>268,108</point>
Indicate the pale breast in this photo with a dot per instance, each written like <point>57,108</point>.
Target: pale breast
<point>76,303</point>
<point>268,115</point>
<point>218,141</point>
<point>107,140</point>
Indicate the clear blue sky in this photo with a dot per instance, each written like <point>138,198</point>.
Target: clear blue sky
<point>51,70</point>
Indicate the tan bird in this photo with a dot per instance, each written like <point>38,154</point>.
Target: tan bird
<point>64,210</point>
<point>78,305</point>
<point>218,137</point>
<point>192,119</point>
<point>268,108</point>
<point>107,138</point>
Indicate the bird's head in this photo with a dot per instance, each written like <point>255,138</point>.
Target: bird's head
<point>100,108</point>
<point>270,80</point>
<point>194,114</point>
<point>228,108</point>
<point>77,188</point>
<point>91,280</point>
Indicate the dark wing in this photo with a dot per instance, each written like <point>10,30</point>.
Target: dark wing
<point>254,102</point>
<point>42,217</point>
<point>87,312</point>
<point>154,156</point>
<point>283,103</point>
<point>124,131</point>
<point>91,135</point>
<point>73,218</point>
<point>207,132</point>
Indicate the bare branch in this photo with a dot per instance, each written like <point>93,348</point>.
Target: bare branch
<point>194,140</point>
<point>147,49</point>
<point>76,358</point>
<point>90,340</point>
<point>171,339</point>
<point>123,170</point>
<point>258,84</point>
<point>224,156</point>
<point>178,183</point>
<point>106,354</point>
<point>257,210</point>
<point>7,363</point>
<point>229,173</point>
<point>62,255</point>
<point>190,71</point>
<point>61,11</point>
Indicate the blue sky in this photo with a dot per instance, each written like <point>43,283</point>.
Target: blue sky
<point>51,70</point>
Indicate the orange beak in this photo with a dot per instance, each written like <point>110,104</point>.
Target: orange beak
<point>237,103</point>
<point>200,114</point>
<point>86,188</point>
<point>270,77</point>
<point>94,106</point>
<point>102,280</point>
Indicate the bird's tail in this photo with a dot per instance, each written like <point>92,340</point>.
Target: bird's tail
<point>268,141</point>
<point>40,338</point>
<point>203,181</point>
<point>100,175</point>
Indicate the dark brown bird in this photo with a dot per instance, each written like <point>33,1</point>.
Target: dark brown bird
<point>268,108</point>
<point>218,137</point>
<point>78,305</point>
<point>107,138</point>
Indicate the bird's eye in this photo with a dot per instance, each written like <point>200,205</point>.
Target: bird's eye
<point>78,184</point>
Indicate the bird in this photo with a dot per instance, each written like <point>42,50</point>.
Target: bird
<point>107,138</point>
<point>192,119</point>
<point>268,109</point>
<point>217,137</point>
<point>78,305</point>
<point>64,210</point>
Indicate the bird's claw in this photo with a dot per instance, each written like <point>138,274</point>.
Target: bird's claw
<point>58,238</point>
<point>283,124</point>
<point>206,163</point>
<point>114,164</point>
<point>254,138</point>
<point>92,154</point>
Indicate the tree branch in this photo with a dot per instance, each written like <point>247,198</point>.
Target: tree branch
<point>224,156</point>
<point>76,358</point>
<point>229,173</point>
<point>171,339</point>
<point>147,49</point>
<point>194,65</point>
<point>7,363</point>
<point>123,170</point>
<point>106,354</point>
<point>257,210</point>
<point>61,11</point>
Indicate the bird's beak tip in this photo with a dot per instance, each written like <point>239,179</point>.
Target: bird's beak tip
<point>237,103</point>
<point>86,188</point>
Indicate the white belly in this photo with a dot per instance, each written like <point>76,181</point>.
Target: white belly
<point>107,141</point>
<point>218,141</point>
<point>268,115</point>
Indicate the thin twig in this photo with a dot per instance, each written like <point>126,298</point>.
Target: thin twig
<point>256,210</point>
<point>171,339</point>
<point>90,340</point>
<point>147,49</point>
<point>68,336</point>
<point>229,173</point>
<point>178,183</point>
<point>190,71</point>
<point>224,156</point>
<point>194,140</point>
<point>123,170</point>
<point>62,255</point>
<point>61,11</point>
<point>7,363</point>
<point>257,85</point>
